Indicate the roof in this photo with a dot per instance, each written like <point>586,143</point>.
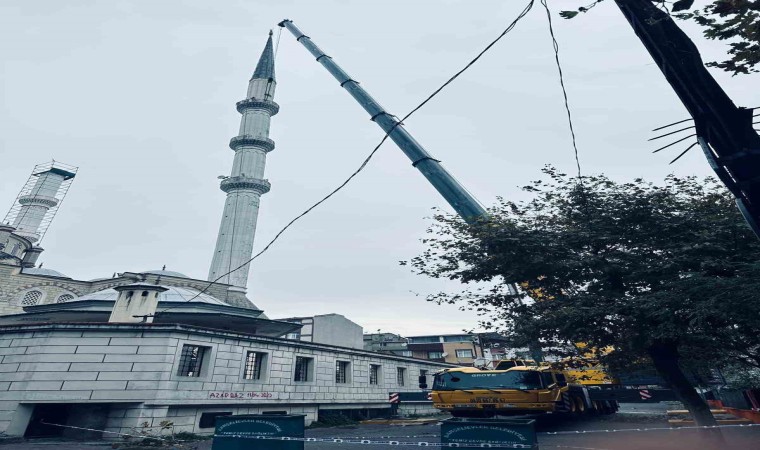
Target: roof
<point>167,273</point>
<point>265,67</point>
<point>172,294</point>
<point>43,272</point>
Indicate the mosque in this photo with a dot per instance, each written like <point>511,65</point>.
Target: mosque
<point>157,350</point>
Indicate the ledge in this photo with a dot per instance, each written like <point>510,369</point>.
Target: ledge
<point>246,139</point>
<point>38,200</point>
<point>245,183</point>
<point>271,107</point>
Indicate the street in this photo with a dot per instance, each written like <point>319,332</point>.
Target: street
<point>636,427</point>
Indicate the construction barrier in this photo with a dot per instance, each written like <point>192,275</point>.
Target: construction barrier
<point>489,432</point>
<point>240,432</point>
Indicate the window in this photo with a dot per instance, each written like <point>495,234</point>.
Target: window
<point>374,374</point>
<point>16,247</point>
<point>435,355</point>
<point>547,379</point>
<point>255,364</point>
<point>424,339</point>
<point>64,298</point>
<point>561,380</point>
<point>341,371</point>
<point>464,353</point>
<point>191,360</point>
<point>400,375</point>
<point>519,379</point>
<point>304,369</point>
<point>459,338</point>
<point>423,372</point>
<point>404,353</point>
<point>208,420</point>
<point>130,294</point>
<point>31,298</point>
<point>296,336</point>
<point>145,294</point>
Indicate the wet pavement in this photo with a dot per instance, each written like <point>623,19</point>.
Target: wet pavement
<point>632,429</point>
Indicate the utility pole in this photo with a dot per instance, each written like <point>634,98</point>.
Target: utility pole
<point>724,131</point>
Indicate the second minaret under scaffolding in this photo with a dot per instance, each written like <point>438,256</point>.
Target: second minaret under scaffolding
<point>246,183</point>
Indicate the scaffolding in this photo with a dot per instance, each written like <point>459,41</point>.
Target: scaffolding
<point>39,200</point>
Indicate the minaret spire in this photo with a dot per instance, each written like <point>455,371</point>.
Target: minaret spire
<point>246,183</point>
<point>265,67</point>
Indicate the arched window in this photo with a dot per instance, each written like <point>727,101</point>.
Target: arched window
<point>31,298</point>
<point>145,293</point>
<point>130,294</point>
<point>64,298</point>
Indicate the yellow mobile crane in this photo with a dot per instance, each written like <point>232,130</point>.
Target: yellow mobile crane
<point>517,387</point>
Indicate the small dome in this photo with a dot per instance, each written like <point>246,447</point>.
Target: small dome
<point>172,294</point>
<point>167,273</point>
<point>43,272</point>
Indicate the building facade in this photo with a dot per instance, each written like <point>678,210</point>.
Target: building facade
<point>125,378</point>
<point>388,343</point>
<point>332,329</point>
<point>482,349</point>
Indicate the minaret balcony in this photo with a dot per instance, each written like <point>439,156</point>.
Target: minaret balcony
<point>248,140</point>
<point>256,103</point>
<point>38,200</point>
<point>245,183</point>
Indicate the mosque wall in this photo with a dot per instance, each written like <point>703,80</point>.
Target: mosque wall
<point>14,285</point>
<point>154,373</point>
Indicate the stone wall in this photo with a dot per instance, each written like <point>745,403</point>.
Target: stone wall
<point>135,369</point>
<point>13,285</point>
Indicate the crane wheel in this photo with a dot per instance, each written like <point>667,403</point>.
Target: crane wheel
<point>580,406</point>
<point>572,406</point>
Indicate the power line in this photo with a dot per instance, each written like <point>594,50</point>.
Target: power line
<point>564,90</point>
<point>364,163</point>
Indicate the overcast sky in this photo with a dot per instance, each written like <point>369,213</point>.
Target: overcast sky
<point>141,96</point>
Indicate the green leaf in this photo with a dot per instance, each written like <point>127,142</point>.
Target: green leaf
<point>682,5</point>
<point>568,14</point>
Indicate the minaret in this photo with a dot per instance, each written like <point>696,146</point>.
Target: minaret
<point>40,200</point>
<point>246,183</point>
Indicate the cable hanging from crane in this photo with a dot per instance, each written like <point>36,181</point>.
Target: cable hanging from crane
<point>555,44</point>
<point>364,163</point>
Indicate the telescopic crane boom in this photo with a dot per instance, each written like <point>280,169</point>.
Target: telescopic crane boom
<point>454,193</point>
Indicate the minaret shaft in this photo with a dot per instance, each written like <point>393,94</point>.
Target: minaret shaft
<point>246,183</point>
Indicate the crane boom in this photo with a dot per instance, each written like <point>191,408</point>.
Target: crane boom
<point>454,193</point>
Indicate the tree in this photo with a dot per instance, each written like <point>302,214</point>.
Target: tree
<point>735,21</point>
<point>659,273</point>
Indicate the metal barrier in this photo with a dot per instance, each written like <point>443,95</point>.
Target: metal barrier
<point>239,432</point>
<point>489,432</point>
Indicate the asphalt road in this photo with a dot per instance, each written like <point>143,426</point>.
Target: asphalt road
<point>635,432</point>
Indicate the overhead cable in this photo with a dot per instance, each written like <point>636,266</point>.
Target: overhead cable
<point>364,163</point>
<point>564,90</point>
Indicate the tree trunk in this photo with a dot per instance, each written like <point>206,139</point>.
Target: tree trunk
<point>665,358</point>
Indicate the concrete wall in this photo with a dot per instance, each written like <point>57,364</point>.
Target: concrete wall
<point>134,369</point>
<point>406,409</point>
<point>334,329</point>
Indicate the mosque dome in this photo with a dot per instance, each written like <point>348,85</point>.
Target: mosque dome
<point>167,273</point>
<point>43,272</point>
<point>172,294</point>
